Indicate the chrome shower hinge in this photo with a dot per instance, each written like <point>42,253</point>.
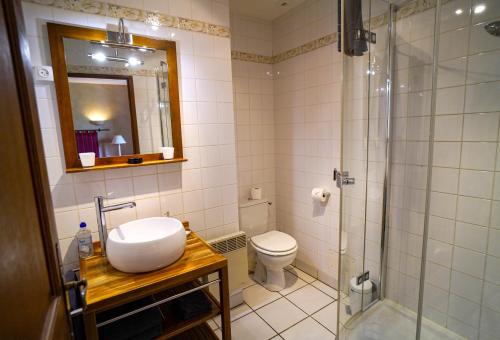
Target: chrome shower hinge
<point>365,35</point>
<point>341,178</point>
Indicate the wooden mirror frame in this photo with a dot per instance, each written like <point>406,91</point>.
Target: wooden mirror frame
<point>57,33</point>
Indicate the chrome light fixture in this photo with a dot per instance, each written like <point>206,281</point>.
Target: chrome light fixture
<point>122,40</point>
<point>101,57</point>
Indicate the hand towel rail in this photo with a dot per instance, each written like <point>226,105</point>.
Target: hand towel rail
<point>157,303</point>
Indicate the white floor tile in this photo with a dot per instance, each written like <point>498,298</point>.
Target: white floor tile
<point>328,317</point>
<point>218,333</point>
<point>309,299</point>
<point>236,313</point>
<point>257,296</point>
<point>306,277</point>
<point>250,281</point>
<point>281,314</point>
<point>308,329</point>
<point>239,311</point>
<point>292,283</point>
<point>325,288</point>
<point>251,327</point>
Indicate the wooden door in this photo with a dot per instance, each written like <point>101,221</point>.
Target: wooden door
<point>32,302</point>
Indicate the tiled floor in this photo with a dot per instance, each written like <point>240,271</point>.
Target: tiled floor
<point>305,309</point>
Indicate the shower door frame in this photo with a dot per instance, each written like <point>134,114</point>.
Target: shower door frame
<point>391,22</point>
<point>389,76</point>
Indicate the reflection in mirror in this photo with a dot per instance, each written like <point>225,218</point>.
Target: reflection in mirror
<point>102,118</point>
<point>119,98</point>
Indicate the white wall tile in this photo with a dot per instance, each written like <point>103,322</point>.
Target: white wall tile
<point>490,322</point>
<point>449,18</point>
<point>468,261</point>
<point>494,242</point>
<point>464,310</point>
<point>479,156</point>
<point>482,97</point>
<point>491,296</point>
<point>441,229</point>
<point>483,67</point>
<point>443,205</point>
<point>451,72</point>
<point>445,180</point>
<point>476,183</point>
<point>446,154</point>
<point>439,252</point>
<point>466,286</point>
<point>473,210</point>
<point>471,236</point>
<point>450,100</point>
<point>448,128</point>
<point>492,273</point>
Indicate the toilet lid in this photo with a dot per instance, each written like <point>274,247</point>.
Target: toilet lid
<point>274,241</point>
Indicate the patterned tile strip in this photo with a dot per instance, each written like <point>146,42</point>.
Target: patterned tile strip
<point>411,8</point>
<point>110,70</point>
<point>134,14</point>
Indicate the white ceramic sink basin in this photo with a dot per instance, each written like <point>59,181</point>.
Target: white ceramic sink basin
<point>146,244</point>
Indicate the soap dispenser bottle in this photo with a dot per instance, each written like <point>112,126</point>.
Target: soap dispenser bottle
<point>84,238</point>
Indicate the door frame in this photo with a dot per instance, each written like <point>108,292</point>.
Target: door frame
<point>21,63</point>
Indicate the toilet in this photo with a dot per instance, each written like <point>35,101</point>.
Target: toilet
<point>270,250</point>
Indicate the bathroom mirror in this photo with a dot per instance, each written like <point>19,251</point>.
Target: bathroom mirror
<point>117,100</point>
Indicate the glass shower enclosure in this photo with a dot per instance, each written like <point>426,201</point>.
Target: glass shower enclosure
<point>418,177</point>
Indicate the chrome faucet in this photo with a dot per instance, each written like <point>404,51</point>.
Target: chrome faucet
<point>101,218</point>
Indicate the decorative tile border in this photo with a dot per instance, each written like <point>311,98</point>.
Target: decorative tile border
<point>411,8</point>
<point>251,57</point>
<point>110,70</point>
<point>307,47</point>
<point>135,14</point>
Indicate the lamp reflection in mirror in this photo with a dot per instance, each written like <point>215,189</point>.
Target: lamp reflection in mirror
<point>97,122</point>
<point>119,140</point>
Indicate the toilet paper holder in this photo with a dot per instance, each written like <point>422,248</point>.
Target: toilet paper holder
<point>320,195</point>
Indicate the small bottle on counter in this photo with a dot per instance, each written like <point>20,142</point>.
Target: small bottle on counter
<point>84,239</point>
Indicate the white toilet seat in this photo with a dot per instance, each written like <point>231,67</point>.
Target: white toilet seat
<point>274,243</point>
<point>273,253</point>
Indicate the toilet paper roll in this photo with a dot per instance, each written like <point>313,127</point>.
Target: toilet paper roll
<point>319,195</point>
<point>256,193</point>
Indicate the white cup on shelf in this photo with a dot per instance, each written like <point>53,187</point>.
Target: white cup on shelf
<point>87,159</point>
<point>167,151</point>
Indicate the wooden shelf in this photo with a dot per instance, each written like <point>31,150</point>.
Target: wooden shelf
<point>125,165</point>
<point>201,332</point>
<point>173,325</point>
<point>108,288</point>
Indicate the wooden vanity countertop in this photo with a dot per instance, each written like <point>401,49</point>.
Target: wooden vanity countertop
<point>108,287</point>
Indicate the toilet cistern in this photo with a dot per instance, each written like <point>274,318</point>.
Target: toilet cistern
<point>101,218</point>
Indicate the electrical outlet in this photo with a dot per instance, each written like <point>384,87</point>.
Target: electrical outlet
<point>43,73</point>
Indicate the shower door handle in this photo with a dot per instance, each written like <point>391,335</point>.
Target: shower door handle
<point>341,178</point>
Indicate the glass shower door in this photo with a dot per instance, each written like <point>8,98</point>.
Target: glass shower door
<point>364,149</point>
